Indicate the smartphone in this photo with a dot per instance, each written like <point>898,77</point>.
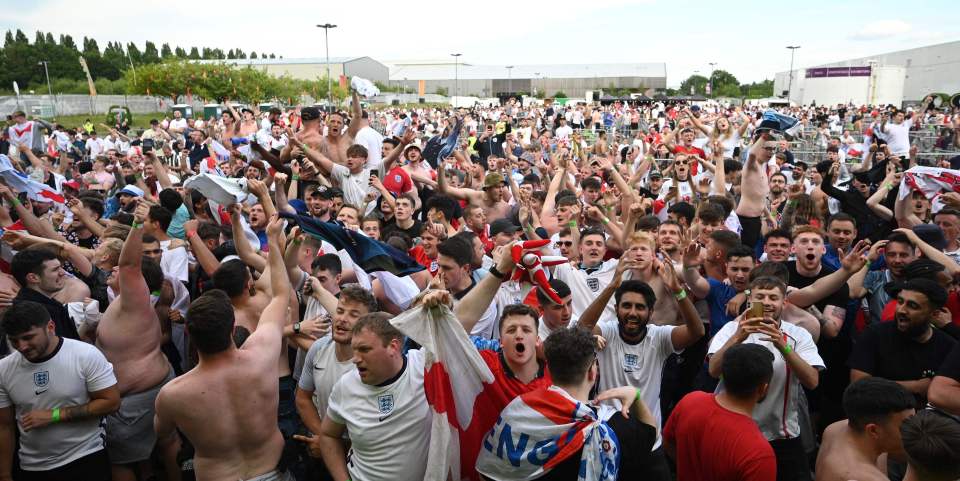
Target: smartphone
<point>146,145</point>
<point>756,310</point>
<point>375,172</point>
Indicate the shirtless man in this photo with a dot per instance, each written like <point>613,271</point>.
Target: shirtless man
<point>129,336</point>
<point>225,410</point>
<point>334,145</point>
<point>850,448</point>
<point>231,125</point>
<point>490,199</point>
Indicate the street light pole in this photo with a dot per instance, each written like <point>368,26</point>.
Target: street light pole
<point>793,50</point>
<point>456,73</point>
<point>46,72</point>
<point>326,40</point>
<point>510,80</point>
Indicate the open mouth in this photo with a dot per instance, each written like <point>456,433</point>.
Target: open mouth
<point>520,347</point>
<point>811,257</point>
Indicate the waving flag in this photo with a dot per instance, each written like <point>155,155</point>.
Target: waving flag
<point>541,429</point>
<point>454,375</point>
<point>20,182</point>
<point>439,148</point>
<point>371,255</point>
<point>930,181</point>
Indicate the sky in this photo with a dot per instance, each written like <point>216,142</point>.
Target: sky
<point>747,38</point>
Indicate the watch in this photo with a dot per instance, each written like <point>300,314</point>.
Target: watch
<point>296,328</point>
<point>495,273</point>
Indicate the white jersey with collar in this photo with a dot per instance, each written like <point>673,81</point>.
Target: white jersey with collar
<point>586,286</point>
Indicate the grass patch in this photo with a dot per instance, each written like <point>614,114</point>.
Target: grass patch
<point>140,121</point>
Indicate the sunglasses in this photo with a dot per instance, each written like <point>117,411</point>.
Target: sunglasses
<point>563,244</point>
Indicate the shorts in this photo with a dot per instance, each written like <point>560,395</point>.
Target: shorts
<point>92,467</point>
<point>274,475</point>
<point>130,434</point>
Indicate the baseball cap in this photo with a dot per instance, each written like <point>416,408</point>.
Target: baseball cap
<point>655,174</point>
<point>931,234</point>
<point>72,184</point>
<point>493,179</point>
<point>329,193</point>
<point>130,190</point>
<point>503,226</point>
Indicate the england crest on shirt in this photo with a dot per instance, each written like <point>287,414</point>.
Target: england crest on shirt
<point>630,362</point>
<point>385,403</point>
<point>41,379</point>
<point>593,283</point>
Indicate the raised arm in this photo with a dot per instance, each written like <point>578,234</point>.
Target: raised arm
<point>270,327</point>
<point>692,329</point>
<point>754,184</point>
<point>607,165</point>
<point>471,308</point>
<point>931,252</point>
<point>691,271</point>
<point>356,115</point>
<point>469,195</point>
<point>240,242</point>
<point>90,223</point>
<point>30,221</point>
<point>875,202</point>
<point>134,294</point>
<point>259,189</point>
<point>850,265</point>
<point>719,186</point>
<point>902,214</point>
<point>591,315</point>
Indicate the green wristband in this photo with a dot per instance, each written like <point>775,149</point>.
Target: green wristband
<point>681,295</point>
<point>16,202</point>
<point>137,225</point>
<point>888,185</point>
<point>55,415</point>
<point>296,177</point>
<point>572,224</point>
<point>786,349</point>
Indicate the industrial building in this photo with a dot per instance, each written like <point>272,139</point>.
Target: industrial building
<point>898,78</point>
<point>315,68</point>
<point>453,76</point>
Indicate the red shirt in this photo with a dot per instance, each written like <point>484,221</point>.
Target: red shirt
<point>715,444</point>
<point>487,407</point>
<point>397,181</point>
<point>420,256</point>
<point>953,305</point>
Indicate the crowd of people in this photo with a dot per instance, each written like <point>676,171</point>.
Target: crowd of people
<point>658,291</point>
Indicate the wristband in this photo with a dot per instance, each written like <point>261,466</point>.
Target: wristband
<point>55,415</point>
<point>495,273</point>
<point>295,177</point>
<point>639,399</point>
<point>16,202</point>
<point>606,220</point>
<point>572,224</point>
<point>681,295</point>
<point>786,349</point>
<point>137,225</point>
<point>888,185</point>
<point>191,233</point>
<point>297,241</point>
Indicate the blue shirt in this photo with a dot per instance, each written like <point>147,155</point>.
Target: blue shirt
<point>832,258</point>
<point>717,299</point>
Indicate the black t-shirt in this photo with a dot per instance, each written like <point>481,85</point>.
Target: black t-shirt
<point>413,231</point>
<point>951,366</point>
<point>840,298</point>
<point>636,440</point>
<point>883,351</point>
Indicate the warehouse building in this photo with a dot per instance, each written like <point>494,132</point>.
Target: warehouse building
<point>484,81</point>
<point>898,78</point>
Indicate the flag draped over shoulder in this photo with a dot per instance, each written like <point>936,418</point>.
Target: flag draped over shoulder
<point>454,375</point>
<point>541,429</point>
<point>371,255</point>
<point>20,182</point>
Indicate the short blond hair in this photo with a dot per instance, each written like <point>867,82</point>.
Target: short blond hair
<point>641,237</point>
<point>111,247</point>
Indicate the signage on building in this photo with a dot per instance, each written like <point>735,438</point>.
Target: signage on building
<point>838,72</point>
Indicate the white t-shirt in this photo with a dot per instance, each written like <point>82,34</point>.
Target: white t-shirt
<point>564,132</point>
<point>585,287</point>
<point>178,124</point>
<point>75,370</point>
<point>639,365</point>
<point>354,186</point>
<point>686,193</point>
<point>321,370</point>
<point>898,137</point>
<point>389,426</point>
<point>373,141</point>
<point>778,415</point>
<point>175,263</point>
<point>95,146</point>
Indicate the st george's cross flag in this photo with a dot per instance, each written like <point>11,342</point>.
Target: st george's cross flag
<point>454,375</point>
<point>930,181</point>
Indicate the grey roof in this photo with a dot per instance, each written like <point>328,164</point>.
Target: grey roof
<point>282,61</point>
<point>466,71</point>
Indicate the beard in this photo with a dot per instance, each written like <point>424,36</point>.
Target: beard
<point>632,326</point>
<point>914,331</point>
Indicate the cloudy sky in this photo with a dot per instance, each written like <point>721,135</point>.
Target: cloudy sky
<point>745,38</point>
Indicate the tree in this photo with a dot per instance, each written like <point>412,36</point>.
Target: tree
<point>273,56</point>
<point>180,53</point>
<point>134,53</point>
<point>699,83</point>
<point>559,94</point>
<point>240,54</point>
<point>442,91</point>
<point>150,53</point>
<point>165,52</point>
<point>231,55</point>
<point>757,90</point>
<point>253,55</point>
<point>194,53</point>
